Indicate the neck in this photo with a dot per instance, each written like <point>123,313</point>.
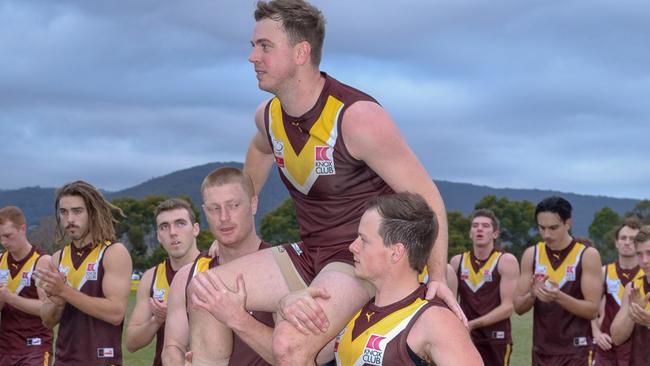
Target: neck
<point>80,243</point>
<point>302,93</point>
<point>247,246</point>
<point>21,253</point>
<point>483,252</point>
<point>395,286</point>
<point>626,262</point>
<point>565,242</point>
<point>189,257</point>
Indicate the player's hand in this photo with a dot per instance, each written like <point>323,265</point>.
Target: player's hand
<point>212,295</point>
<point>4,294</point>
<point>545,290</point>
<point>604,341</point>
<point>188,358</point>
<point>213,252</point>
<point>301,309</point>
<point>158,309</point>
<point>437,288</point>
<point>51,280</point>
<point>637,310</point>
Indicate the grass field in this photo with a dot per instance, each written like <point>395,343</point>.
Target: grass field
<point>521,335</point>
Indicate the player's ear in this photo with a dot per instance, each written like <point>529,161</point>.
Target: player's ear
<point>303,52</point>
<point>254,202</point>
<point>398,252</point>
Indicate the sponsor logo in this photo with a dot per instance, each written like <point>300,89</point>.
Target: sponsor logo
<point>296,248</point>
<point>499,334</point>
<point>159,294</point>
<point>278,152</point>
<point>613,286</point>
<point>580,341</point>
<point>324,160</point>
<point>91,272</point>
<point>65,271</point>
<point>25,279</point>
<point>540,272</point>
<point>374,352</point>
<point>369,314</point>
<point>487,275</point>
<point>105,353</point>
<point>4,276</point>
<point>34,341</point>
<point>570,273</point>
<point>464,274</point>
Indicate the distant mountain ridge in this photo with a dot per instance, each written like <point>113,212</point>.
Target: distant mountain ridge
<point>37,202</point>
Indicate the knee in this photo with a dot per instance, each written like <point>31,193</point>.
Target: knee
<point>288,346</point>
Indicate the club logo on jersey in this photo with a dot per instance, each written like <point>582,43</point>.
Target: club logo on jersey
<point>25,279</point>
<point>374,351</point>
<point>91,271</point>
<point>570,273</point>
<point>4,276</point>
<point>613,286</point>
<point>540,272</point>
<point>159,294</point>
<point>324,160</point>
<point>464,274</point>
<point>487,275</point>
<point>34,341</point>
<point>64,271</point>
<point>278,152</point>
<point>105,353</point>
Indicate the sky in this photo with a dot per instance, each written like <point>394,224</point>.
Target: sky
<point>505,93</point>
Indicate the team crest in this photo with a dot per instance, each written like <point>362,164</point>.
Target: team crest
<point>91,271</point>
<point>540,271</point>
<point>278,152</point>
<point>374,352</point>
<point>464,274</point>
<point>4,276</point>
<point>570,273</point>
<point>324,160</point>
<point>25,279</point>
<point>613,286</point>
<point>487,275</point>
<point>159,294</point>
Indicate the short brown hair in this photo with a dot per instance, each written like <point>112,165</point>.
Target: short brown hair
<point>226,175</point>
<point>301,21</point>
<point>642,236</point>
<point>100,215</point>
<point>407,218</point>
<point>632,222</point>
<point>174,204</point>
<point>12,214</point>
<point>486,212</point>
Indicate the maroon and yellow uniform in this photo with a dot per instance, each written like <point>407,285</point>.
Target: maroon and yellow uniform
<point>83,339</point>
<point>479,293</point>
<point>614,284</point>
<point>377,335</point>
<point>23,338</point>
<point>640,337</point>
<point>559,337</point>
<point>329,187</point>
<point>162,278</point>
<point>242,353</point>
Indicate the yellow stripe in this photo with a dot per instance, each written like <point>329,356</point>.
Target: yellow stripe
<point>589,363</point>
<point>506,359</point>
<point>46,359</point>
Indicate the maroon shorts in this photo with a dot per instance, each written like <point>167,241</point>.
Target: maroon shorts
<point>308,262</point>
<point>616,356</point>
<point>495,354</point>
<point>39,357</point>
<point>574,359</point>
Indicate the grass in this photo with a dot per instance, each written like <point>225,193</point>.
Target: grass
<point>521,335</point>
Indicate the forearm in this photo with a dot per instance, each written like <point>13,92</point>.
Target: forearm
<point>173,355</point>
<point>257,165</point>
<point>497,314</point>
<point>523,303</point>
<point>140,335</point>
<point>29,306</point>
<point>595,326</point>
<point>51,313</point>
<point>583,308</point>
<point>98,307</point>
<point>437,263</point>
<point>621,329</point>
<point>256,335</point>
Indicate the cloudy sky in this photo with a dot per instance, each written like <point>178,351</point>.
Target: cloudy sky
<point>505,93</point>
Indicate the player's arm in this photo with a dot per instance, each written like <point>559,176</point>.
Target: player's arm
<point>30,306</point>
<point>623,325</point>
<point>259,157</point>
<point>591,286</point>
<point>524,298</point>
<point>116,286</point>
<point>143,325</point>
<point>603,340</point>
<point>52,307</point>
<point>177,327</point>
<point>454,263</point>
<point>509,270</point>
<point>448,344</point>
<point>372,136</point>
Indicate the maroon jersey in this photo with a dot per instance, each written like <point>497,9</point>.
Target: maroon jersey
<point>21,332</point>
<point>83,339</point>
<point>614,284</point>
<point>162,278</point>
<point>329,187</point>
<point>555,330</point>
<point>640,338</point>
<point>242,353</point>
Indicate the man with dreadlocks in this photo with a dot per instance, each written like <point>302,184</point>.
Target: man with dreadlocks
<point>88,281</point>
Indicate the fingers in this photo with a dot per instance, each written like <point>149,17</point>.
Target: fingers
<point>307,316</point>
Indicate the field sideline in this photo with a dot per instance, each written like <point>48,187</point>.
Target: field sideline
<point>521,335</point>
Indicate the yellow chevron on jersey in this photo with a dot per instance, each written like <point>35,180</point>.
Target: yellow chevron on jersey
<point>23,277</point>
<point>317,156</point>
<point>202,264</point>
<point>639,283</point>
<point>475,280</point>
<point>369,346</point>
<point>566,271</point>
<point>160,284</point>
<point>87,271</point>
<point>614,286</point>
